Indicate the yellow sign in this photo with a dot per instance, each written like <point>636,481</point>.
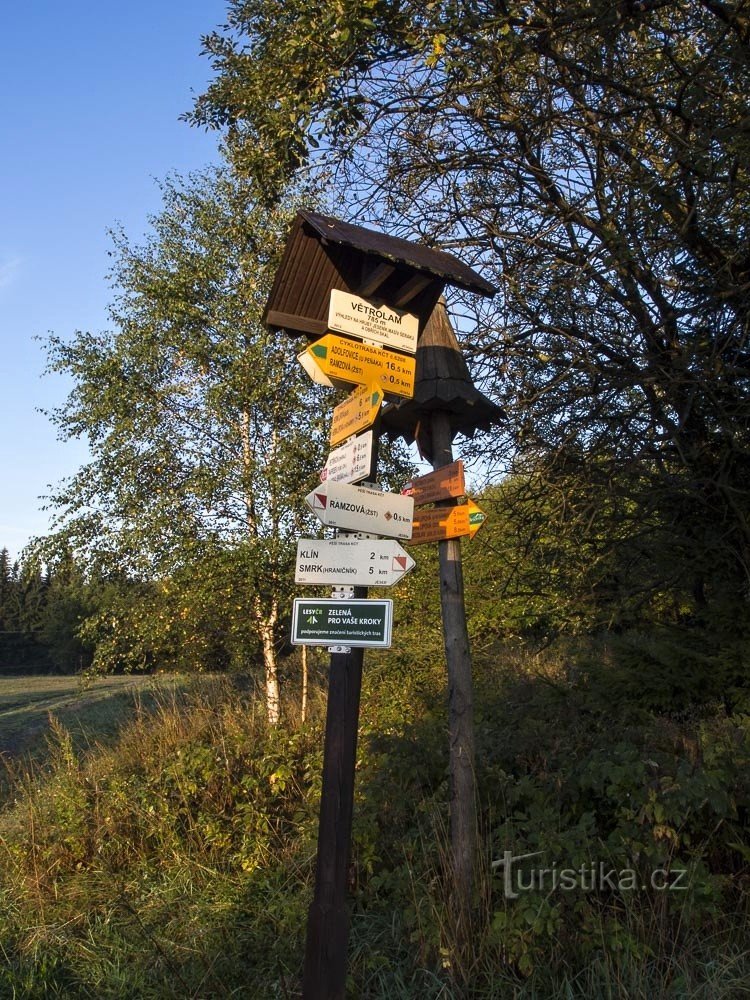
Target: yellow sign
<point>344,363</point>
<point>357,412</point>
<point>438,523</point>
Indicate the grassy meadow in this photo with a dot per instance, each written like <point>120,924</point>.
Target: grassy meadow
<point>88,707</point>
<point>172,854</point>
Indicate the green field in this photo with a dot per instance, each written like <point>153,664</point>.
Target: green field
<point>91,711</point>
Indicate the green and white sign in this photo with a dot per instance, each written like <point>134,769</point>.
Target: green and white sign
<point>342,623</point>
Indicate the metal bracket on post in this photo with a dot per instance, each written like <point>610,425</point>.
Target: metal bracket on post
<point>342,593</point>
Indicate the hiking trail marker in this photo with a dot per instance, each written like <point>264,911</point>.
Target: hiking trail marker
<point>358,508</point>
<point>442,484</point>
<point>436,524</point>
<point>350,462</point>
<point>386,325</point>
<point>355,562</point>
<point>357,412</point>
<point>335,276</point>
<point>342,362</point>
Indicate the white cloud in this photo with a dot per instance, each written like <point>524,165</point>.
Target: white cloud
<point>10,268</point>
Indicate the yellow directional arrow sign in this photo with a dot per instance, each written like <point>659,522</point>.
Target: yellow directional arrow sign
<point>357,412</point>
<point>438,523</point>
<point>477,518</point>
<point>341,362</point>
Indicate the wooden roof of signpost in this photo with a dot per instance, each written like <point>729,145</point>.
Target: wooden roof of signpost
<point>323,253</point>
<point>443,383</point>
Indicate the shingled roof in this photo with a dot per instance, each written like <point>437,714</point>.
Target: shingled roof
<point>414,255</point>
<point>323,253</point>
<point>442,383</point>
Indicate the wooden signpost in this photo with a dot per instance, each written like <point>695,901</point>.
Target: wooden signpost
<point>351,565</point>
<point>341,277</point>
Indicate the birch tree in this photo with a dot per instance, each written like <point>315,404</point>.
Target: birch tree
<point>202,445</point>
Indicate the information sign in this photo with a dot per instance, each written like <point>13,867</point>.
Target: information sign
<point>387,325</point>
<point>357,412</point>
<point>442,484</point>
<point>358,508</point>
<point>343,362</point>
<point>351,462</point>
<point>342,623</point>
<point>435,524</point>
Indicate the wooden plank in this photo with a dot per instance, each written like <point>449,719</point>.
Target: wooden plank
<point>442,484</point>
<point>296,324</point>
<point>377,276</point>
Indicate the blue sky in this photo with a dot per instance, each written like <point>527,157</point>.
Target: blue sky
<point>90,97</point>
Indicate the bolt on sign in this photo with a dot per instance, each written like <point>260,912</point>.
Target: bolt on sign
<point>357,412</point>
<point>435,524</point>
<point>384,324</point>
<point>354,622</point>
<point>357,508</point>
<point>442,484</point>
<point>351,462</point>
<point>343,363</point>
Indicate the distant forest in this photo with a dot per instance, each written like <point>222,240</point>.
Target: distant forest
<point>41,611</point>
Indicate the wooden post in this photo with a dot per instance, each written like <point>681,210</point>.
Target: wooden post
<point>463,821</point>
<point>328,918</point>
<point>324,976</point>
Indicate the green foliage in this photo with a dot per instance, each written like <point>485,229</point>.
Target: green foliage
<point>202,445</point>
<point>191,441</point>
<point>592,159</point>
<point>199,801</point>
<point>41,613</point>
<point>286,90</point>
<point>180,862</point>
<point>566,556</point>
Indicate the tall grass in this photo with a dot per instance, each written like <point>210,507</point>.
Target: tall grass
<point>159,867</point>
<point>178,861</point>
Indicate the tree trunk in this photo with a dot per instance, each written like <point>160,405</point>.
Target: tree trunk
<point>266,624</point>
<point>303,711</point>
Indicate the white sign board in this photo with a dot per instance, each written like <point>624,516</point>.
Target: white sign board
<point>351,462</point>
<point>387,325</point>
<point>313,370</point>
<point>355,562</point>
<point>356,508</point>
